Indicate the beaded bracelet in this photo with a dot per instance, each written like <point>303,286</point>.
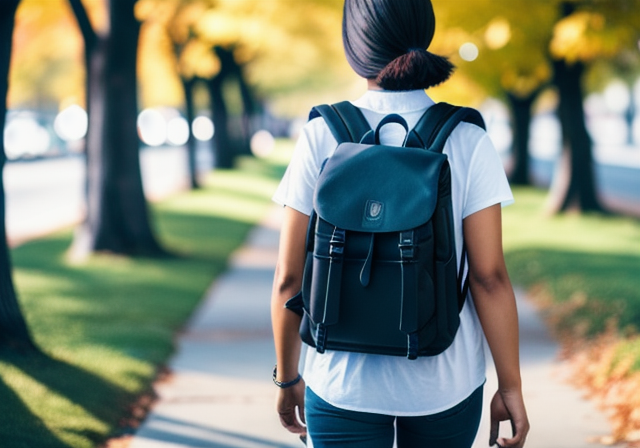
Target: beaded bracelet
<point>284,384</point>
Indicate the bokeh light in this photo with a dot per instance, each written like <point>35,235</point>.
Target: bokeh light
<point>546,137</point>
<point>496,117</point>
<point>177,131</point>
<point>617,97</point>
<point>71,123</point>
<point>498,34</point>
<point>152,127</point>
<point>25,137</point>
<point>469,52</point>
<point>636,94</point>
<point>202,128</point>
<point>262,143</point>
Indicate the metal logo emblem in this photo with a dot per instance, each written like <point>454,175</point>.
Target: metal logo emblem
<point>373,210</point>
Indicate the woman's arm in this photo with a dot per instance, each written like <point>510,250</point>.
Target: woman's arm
<point>495,303</point>
<point>285,323</point>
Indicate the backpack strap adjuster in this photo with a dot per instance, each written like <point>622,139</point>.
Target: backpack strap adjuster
<point>407,246</point>
<point>321,338</point>
<point>334,280</point>
<point>409,291</point>
<point>336,244</point>
<point>334,277</point>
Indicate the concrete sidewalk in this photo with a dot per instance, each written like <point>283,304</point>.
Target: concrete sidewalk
<point>221,395</point>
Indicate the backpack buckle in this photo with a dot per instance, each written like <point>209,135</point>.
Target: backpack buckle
<point>336,244</point>
<point>407,245</point>
<point>321,338</point>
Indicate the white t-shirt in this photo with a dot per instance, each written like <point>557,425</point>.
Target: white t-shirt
<point>395,385</point>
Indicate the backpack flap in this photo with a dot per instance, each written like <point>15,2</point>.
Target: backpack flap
<point>376,188</point>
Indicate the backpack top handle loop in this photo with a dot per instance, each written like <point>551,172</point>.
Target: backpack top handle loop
<point>391,118</point>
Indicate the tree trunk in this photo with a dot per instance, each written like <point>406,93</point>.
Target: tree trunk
<point>630,115</point>
<point>117,215</point>
<point>521,115</point>
<point>574,185</point>
<point>187,85</point>
<point>224,150</point>
<point>13,329</point>
<point>225,147</point>
<point>248,106</point>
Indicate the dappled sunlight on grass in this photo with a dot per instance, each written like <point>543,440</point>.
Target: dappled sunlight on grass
<point>46,403</point>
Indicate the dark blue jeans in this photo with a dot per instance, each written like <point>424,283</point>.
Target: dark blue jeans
<point>330,426</point>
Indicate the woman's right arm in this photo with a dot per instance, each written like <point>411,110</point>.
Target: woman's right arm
<point>286,323</point>
<point>495,303</point>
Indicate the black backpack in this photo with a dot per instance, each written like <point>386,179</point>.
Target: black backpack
<point>381,272</point>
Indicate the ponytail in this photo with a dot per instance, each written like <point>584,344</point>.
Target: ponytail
<point>417,69</point>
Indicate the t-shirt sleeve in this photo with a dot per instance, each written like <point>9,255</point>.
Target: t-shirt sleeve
<point>298,183</point>
<point>487,182</point>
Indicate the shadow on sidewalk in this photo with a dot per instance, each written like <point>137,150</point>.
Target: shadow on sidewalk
<point>185,433</point>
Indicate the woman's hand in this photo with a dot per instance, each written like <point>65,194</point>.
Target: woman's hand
<point>509,405</point>
<point>290,404</point>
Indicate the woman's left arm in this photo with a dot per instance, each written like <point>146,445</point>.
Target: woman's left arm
<point>285,323</point>
<point>496,306</point>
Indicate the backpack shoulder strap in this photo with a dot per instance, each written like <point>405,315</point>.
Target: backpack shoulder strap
<point>431,132</point>
<point>345,121</point>
<point>437,123</point>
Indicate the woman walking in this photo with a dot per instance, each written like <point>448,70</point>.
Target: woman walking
<point>350,399</point>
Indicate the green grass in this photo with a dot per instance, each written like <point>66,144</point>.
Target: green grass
<point>106,325</point>
<point>583,268</point>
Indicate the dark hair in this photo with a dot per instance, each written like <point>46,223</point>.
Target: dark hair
<point>387,40</point>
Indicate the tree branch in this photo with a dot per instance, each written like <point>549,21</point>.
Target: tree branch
<point>88,33</point>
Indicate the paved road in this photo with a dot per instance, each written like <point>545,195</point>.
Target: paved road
<point>48,194</point>
<point>42,196</point>
<point>618,185</point>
